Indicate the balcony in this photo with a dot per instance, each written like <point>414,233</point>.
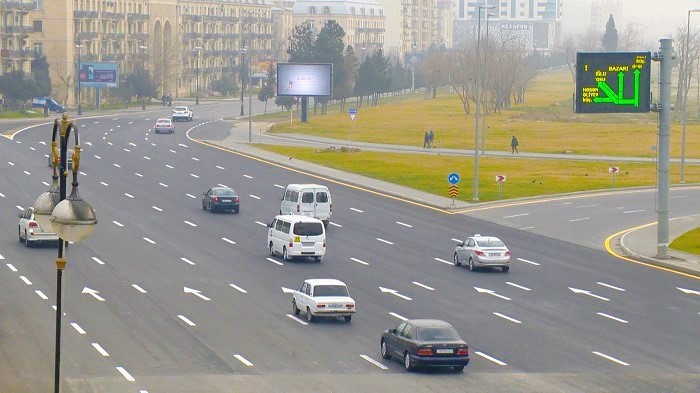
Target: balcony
<point>193,18</point>
<point>88,35</point>
<point>212,36</point>
<point>17,54</point>
<point>132,16</point>
<point>113,57</point>
<point>16,6</point>
<point>89,57</point>
<point>230,36</point>
<point>138,36</point>
<point>113,15</point>
<point>113,36</point>
<point>220,18</point>
<point>86,14</point>
<point>22,30</point>
<point>192,36</point>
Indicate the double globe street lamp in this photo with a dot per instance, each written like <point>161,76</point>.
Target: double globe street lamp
<point>71,218</point>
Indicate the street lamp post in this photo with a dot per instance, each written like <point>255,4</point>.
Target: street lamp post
<point>143,66</point>
<point>80,49</point>
<point>483,95</point>
<point>250,102</point>
<point>197,49</point>
<point>475,197</point>
<point>72,218</point>
<point>686,87</point>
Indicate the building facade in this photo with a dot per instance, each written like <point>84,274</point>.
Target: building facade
<point>415,25</point>
<point>17,27</point>
<point>362,21</point>
<point>183,43</point>
<point>536,23</point>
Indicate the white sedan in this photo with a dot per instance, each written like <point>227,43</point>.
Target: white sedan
<point>182,113</point>
<point>323,297</point>
<point>30,232</point>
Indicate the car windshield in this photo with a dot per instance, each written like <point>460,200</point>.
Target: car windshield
<point>228,192</point>
<point>490,243</point>
<point>163,121</point>
<point>181,108</point>
<point>308,229</point>
<point>437,333</point>
<point>331,290</point>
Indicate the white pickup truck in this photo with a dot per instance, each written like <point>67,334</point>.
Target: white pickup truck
<point>323,297</point>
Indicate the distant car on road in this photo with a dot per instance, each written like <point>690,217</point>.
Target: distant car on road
<point>482,251</point>
<point>30,232</point>
<point>182,113</point>
<point>164,125</point>
<point>425,343</point>
<point>221,198</point>
<point>323,297</point>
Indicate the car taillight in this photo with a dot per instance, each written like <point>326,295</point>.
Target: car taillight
<point>324,244</point>
<point>463,352</point>
<point>425,352</point>
<point>507,253</point>
<point>321,306</point>
<point>297,208</point>
<point>215,199</point>
<point>331,208</point>
<point>237,199</point>
<point>291,244</point>
<point>33,224</point>
<point>477,252</point>
<point>350,305</point>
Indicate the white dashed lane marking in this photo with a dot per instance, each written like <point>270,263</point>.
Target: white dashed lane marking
<point>404,224</point>
<point>138,288</point>
<point>187,261</point>
<point>278,186</point>
<point>138,174</point>
<point>27,173</point>
<point>77,328</point>
<point>613,318</point>
<point>187,321</point>
<point>517,215</point>
<point>612,359</point>
<point>220,167</point>
<point>294,318</point>
<point>385,241</point>
<point>169,166</point>
<point>190,224</point>
<point>491,358</point>
<point>173,151</point>
<point>126,374</point>
<point>117,165</point>
<point>147,157</point>
<point>195,158</point>
<point>127,150</point>
<point>157,208</point>
<point>526,261</point>
<point>254,196</point>
<point>518,286</point>
<point>243,360</point>
<point>98,260</point>
<point>633,211</point>
<point>356,210</point>
<point>275,262</point>
<point>19,207</point>
<point>239,289</point>
<point>423,286</point>
<point>261,223</point>
<point>611,286</point>
<point>395,315</point>
<point>376,363</point>
<point>12,267</point>
<point>183,145</point>
<point>195,176</point>
<point>443,261</point>
<point>359,261</point>
<point>248,176</point>
<point>129,195</point>
<point>41,295</point>
<point>163,184</point>
<point>26,280</point>
<point>191,196</point>
<point>506,317</point>
<point>43,182</point>
<point>98,157</point>
<point>335,225</point>
<point>117,223</point>
<point>227,240</point>
<point>149,240</point>
<point>104,184</point>
<point>100,349</point>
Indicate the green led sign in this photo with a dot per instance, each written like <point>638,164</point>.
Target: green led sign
<point>613,82</point>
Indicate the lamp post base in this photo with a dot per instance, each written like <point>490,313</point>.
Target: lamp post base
<point>80,109</point>
<point>475,200</point>
<point>196,101</point>
<point>143,105</point>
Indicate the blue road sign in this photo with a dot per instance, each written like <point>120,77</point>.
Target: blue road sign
<point>352,111</point>
<point>453,178</point>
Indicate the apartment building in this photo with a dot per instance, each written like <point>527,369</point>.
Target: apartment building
<point>415,25</point>
<point>362,20</point>
<point>174,39</point>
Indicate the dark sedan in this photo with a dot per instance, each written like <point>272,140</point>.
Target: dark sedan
<point>425,343</point>
<point>221,198</point>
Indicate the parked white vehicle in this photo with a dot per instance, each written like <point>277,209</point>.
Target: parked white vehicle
<point>296,236</point>
<point>182,113</point>
<point>310,200</point>
<point>30,232</point>
<point>323,297</point>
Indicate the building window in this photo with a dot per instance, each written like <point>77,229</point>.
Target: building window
<point>38,26</point>
<point>38,5</point>
<point>38,47</point>
<point>326,10</point>
<point>312,10</point>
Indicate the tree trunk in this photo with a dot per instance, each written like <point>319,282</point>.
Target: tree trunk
<point>265,106</point>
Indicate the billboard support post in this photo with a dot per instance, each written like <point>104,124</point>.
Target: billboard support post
<point>304,109</point>
<point>665,56</point>
<point>97,98</point>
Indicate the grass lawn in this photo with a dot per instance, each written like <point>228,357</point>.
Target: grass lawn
<point>688,242</point>
<point>544,123</point>
<point>525,177</point>
<point>21,114</point>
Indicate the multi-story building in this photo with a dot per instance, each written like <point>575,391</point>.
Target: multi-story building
<point>537,23</point>
<point>16,30</point>
<point>362,20</point>
<point>445,22</point>
<point>282,25</point>
<point>415,25</point>
<point>184,43</point>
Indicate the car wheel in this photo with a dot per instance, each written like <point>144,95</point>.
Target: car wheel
<point>459,369</point>
<point>19,234</point>
<point>407,362</point>
<point>317,259</point>
<point>211,208</point>
<point>456,261</point>
<point>505,269</point>
<point>272,251</point>
<point>309,317</point>
<point>204,206</point>
<point>26,240</point>
<point>236,210</point>
<point>295,310</point>
<point>385,351</point>
<point>471,264</point>
<point>347,318</point>
<point>285,256</point>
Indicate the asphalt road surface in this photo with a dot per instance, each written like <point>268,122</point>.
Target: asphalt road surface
<point>567,317</point>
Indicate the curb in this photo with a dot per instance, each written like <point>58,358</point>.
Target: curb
<point>654,261</point>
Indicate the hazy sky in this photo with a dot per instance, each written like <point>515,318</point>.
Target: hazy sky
<point>657,17</point>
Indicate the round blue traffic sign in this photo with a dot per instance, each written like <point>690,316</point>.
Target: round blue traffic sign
<point>453,178</point>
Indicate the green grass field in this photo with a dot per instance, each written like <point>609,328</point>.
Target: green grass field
<point>20,114</point>
<point>688,242</point>
<point>544,123</point>
<point>525,177</point>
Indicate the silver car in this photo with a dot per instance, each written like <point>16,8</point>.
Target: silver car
<point>482,251</point>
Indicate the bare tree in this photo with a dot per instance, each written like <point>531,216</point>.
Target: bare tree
<point>688,53</point>
<point>462,73</point>
<point>58,64</point>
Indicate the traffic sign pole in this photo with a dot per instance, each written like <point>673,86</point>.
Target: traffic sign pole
<point>665,56</point>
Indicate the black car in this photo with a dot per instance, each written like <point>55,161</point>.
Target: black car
<point>220,198</point>
<point>425,343</point>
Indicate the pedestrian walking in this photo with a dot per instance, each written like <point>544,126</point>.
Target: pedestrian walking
<point>431,138</point>
<point>426,140</point>
<point>514,145</point>
<point>46,110</point>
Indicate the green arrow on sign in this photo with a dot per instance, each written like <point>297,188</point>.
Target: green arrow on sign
<point>611,96</point>
<point>618,99</point>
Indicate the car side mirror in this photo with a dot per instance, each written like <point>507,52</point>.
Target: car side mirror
<point>269,225</point>
<point>20,215</point>
<point>392,331</point>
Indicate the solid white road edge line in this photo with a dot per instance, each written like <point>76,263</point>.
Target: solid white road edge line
<point>100,349</point>
<point>612,359</point>
<point>611,317</point>
<point>493,359</point>
<point>243,360</point>
<point>611,286</point>
<point>125,374</point>
<point>297,319</point>
<point>376,363</point>
<point>506,317</point>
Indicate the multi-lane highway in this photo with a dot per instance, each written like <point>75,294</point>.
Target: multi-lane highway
<point>567,317</point>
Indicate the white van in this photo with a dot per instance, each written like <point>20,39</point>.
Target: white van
<point>310,200</point>
<point>296,236</point>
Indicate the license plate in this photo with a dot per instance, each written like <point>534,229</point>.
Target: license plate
<point>336,306</point>
<point>307,244</point>
<point>442,351</point>
<point>497,254</point>
<point>225,200</point>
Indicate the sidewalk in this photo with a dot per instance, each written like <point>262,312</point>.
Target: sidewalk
<point>639,244</point>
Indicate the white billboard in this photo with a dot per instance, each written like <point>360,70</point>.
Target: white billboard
<point>311,80</point>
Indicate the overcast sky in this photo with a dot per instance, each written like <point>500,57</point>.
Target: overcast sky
<point>657,17</point>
